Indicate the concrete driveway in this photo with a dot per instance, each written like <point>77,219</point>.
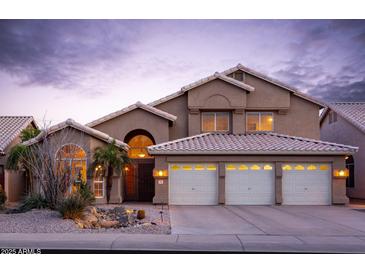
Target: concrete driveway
<point>306,221</point>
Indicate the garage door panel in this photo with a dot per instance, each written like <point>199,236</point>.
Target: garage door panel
<point>250,184</point>
<point>309,185</point>
<point>193,184</point>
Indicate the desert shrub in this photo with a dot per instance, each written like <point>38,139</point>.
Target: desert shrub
<point>33,201</point>
<point>72,206</point>
<point>2,197</point>
<point>86,194</point>
<point>141,214</point>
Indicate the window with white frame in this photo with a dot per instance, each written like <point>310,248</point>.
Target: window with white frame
<point>215,121</point>
<point>259,121</point>
<point>99,182</point>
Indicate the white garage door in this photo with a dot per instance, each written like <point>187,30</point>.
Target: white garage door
<point>193,184</point>
<point>306,184</point>
<point>250,184</point>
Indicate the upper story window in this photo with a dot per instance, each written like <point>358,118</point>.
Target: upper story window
<point>215,121</point>
<point>259,121</point>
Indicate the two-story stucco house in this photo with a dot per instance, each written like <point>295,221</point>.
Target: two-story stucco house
<point>235,137</point>
<point>345,123</point>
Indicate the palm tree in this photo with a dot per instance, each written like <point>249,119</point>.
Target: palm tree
<point>111,158</point>
<point>17,153</point>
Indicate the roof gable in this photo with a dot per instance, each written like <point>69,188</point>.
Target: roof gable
<point>353,112</point>
<point>72,124</point>
<point>11,127</point>
<point>223,75</point>
<point>276,82</point>
<point>137,105</point>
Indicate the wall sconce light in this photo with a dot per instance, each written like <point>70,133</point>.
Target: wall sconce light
<point>341,173</point>
<point>160,173</point>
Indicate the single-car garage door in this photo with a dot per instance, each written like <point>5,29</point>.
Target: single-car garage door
<point>250,184</point>
<point>306,184</point>
<point>193,184</point>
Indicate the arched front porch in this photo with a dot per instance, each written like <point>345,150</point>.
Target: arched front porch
<point>139,181</point>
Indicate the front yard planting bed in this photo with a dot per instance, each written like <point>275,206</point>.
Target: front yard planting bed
<point>49,221</point>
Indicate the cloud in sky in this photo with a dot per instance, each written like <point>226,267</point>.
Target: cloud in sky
<point>108,64</point>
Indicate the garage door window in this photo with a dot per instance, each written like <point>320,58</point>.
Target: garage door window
<point>254,167</point>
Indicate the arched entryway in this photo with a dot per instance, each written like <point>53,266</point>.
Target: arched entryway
<point>139,182</point>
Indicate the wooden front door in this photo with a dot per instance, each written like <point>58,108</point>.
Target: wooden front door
<point>2,177</point>
<point>139,182</point>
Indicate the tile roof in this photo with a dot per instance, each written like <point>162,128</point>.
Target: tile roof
<point>71,123</point>
<point>10,128</point>
<point>220,76</point>
<point>295,91</point>
<point>249,144</point>
<point>140,105</point>
<point>354,112</point>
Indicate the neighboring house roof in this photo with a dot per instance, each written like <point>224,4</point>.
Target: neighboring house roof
<point>140,105</point>
<point>71,123</point>
<point>11,127</point>
<point>249,71</point>
<point>249,144</point>
<point>353,112</point>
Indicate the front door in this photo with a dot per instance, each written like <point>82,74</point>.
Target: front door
<point>139,182</point>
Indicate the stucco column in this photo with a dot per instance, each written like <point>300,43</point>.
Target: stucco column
<point>339,184</point>
<point>194,122</point>
<point>161,184</point>
<point>278,183</point>
<point>238,121</point>
<point>116,191</point>
<point>221,183</point>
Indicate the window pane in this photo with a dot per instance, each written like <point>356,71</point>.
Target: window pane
<point>252,121</point>
<point>138,146</point>
<point>208,121</point>
<point>266,122</point>
<point>222,121</point>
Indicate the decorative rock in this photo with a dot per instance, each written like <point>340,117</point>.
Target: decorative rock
<point>108,224</point>
<point>91,219</point>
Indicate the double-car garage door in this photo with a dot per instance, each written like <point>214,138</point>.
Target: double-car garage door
<point>249,184</point>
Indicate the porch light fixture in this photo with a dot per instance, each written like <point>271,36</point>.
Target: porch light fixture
<point>141,155</point>
<point>160,173</point>
<point>341,173</point>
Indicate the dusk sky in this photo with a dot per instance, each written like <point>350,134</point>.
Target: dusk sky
<point>86,69</point>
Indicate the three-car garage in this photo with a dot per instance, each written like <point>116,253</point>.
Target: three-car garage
<point>250,169</point>
<point>250,183</point>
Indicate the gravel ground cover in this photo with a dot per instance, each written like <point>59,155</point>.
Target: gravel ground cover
<point>48,221</point>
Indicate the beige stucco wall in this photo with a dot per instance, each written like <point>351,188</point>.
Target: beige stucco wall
<point>120,126</point>
<point>266,95</point>
<point>302,119</point>
<point>337,162</point>
<point>292,114</point>
<point>14,185</point>
<point>345,133</point>
<point>177,107</point>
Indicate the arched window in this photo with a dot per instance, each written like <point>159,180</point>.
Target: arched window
<point>71,161</point>
<point>138,146</point>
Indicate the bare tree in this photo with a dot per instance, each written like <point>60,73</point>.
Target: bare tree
<point>51,160</point>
